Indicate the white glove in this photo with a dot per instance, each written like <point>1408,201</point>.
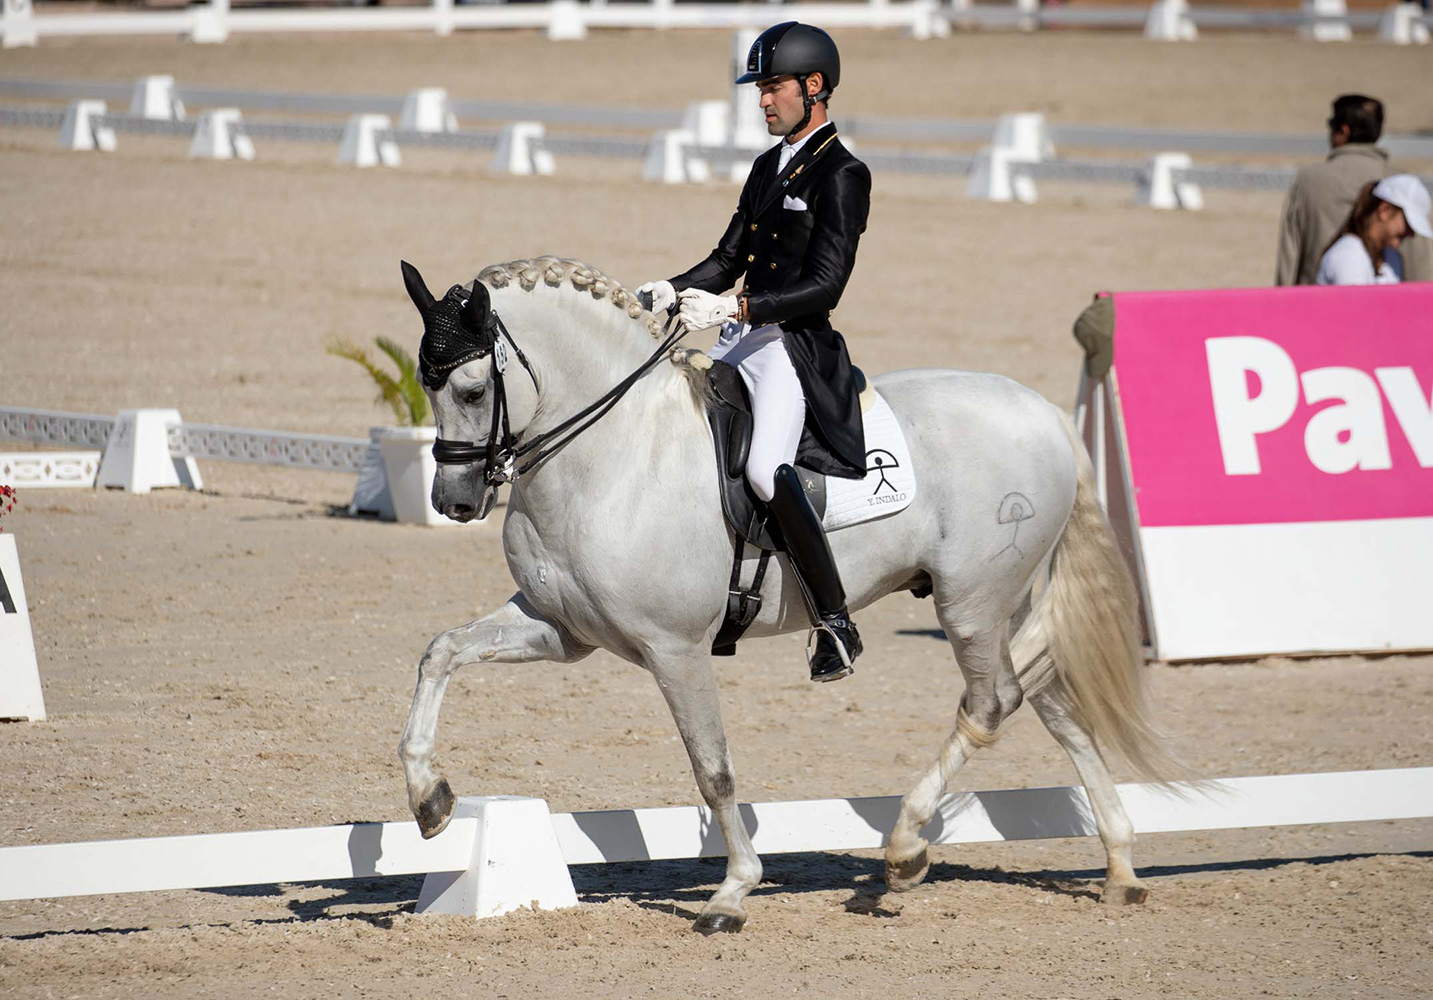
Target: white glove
<point>703,309</point>
<point>664,296</point>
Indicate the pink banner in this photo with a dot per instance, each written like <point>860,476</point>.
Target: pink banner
<point>1269,405</point>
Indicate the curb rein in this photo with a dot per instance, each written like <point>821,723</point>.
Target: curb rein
<point>502,450</point>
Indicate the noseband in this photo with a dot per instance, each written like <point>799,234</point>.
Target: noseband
<point>502,450</point>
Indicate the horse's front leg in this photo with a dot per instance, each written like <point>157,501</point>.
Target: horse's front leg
<point>688,684</point>
<point>515,633</point>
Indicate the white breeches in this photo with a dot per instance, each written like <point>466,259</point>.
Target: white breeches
<point>778,406</point>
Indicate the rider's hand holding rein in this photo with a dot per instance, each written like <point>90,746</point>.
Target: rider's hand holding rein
<point>701,310</point>
<point>664,296</point>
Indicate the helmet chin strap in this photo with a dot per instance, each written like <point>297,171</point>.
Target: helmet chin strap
<point>806,101</point>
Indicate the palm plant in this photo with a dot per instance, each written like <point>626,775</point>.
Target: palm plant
<point>403,394</point>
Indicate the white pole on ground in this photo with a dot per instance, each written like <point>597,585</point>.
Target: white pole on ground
<point>78,130</point>
<point>211,23</point>
<point>20,693</point>
<point>17,21</point>
<point>153,97</point>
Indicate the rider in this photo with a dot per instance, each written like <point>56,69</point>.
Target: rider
<point>794,236</point>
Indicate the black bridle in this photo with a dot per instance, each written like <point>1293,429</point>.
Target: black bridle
<point>503,448</point>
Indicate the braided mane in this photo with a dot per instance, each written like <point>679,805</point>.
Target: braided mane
<point>559,271</point>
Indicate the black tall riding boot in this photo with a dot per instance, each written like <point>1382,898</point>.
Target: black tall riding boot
<point>837,641</point>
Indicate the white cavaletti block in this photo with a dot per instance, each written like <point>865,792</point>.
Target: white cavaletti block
<point>443,17</point>
<point>516,862</point>
<point>928,21</point>
<point>220,137</point>
<point>20,694</point>
<point>519,150</point>
<point>748,123</point>
<point>211,23</point>
<point>371,494</point>
<point>1169,21</point>
<point>666,159</point>
<point>1158,189</point>
<point>17,19</point>
<point>153,97</point>
<point>1018,138</point>
<point>426,110</point>
<point>1331,24</point>
<point>567,24</point>
<point>137,458</point>
<point>361,145</point>
<point>79,131</point>
<point>1402,24</point>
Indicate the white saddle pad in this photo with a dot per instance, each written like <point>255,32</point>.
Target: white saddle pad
<point>890,483</point>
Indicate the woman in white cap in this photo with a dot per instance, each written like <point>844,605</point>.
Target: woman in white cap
<point>1384,214</point>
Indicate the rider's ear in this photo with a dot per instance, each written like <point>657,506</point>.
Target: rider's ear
<point>417,291</point>
<point>475,312</point>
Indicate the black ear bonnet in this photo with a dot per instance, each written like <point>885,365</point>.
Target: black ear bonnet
<point>458,328</point>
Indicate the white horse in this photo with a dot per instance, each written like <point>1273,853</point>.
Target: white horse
<point>586,528</point>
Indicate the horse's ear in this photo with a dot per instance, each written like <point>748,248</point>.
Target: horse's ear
<point>475,312</point>
<point>417,291</point>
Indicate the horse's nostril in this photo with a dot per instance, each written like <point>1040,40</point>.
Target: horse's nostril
<point>459,511</point>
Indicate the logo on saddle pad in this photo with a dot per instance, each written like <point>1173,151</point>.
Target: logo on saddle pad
<point>890,483</point>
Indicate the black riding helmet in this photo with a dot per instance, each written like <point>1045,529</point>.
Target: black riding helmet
<point>795,49</point>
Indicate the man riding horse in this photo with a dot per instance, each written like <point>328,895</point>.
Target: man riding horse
<point>793,237</point>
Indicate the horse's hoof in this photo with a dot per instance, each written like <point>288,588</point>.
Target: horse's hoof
<point>719,923</point>
<point>435,810</point>
<point>904,875</point>
<point>1124,894</point>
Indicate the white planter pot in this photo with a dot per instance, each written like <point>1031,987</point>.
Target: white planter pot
<point>408,462</point>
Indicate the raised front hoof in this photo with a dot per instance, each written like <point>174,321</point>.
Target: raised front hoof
<point>719,923</point>
<point>435,810</point>
<point>902,875</point>
<point>1124,894</point>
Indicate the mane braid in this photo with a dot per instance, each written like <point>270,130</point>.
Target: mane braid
<point>559,271</point>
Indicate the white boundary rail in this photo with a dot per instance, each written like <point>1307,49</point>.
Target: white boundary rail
<point>386,849</point>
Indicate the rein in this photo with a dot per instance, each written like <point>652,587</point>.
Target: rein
<point>503,452</point>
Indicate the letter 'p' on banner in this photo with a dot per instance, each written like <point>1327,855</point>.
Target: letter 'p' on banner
<point>20,695</point>
<point>1267,457</point>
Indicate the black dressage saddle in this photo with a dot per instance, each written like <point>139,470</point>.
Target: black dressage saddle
<point>729,414</point>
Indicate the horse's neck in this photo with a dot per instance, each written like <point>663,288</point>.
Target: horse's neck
<point>641,441</point>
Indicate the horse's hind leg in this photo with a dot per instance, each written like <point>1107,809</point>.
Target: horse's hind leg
<point>688,684</point>
<point>992,693</point>
<point>515,633</point>
<point>1116,831</point>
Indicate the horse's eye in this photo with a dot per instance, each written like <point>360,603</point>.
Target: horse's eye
<point>475,396</point>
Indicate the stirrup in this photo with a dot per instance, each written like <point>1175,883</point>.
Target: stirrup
<point>847,667</point>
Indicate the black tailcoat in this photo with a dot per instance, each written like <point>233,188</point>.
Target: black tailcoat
<point>796,262</point>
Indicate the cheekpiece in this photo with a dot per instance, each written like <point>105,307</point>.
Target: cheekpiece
<point>450,337</point>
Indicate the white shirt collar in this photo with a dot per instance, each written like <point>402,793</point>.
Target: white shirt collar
<point>790,149</point>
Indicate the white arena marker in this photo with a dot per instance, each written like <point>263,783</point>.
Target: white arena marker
<point>566,24</point>
<point>211,23</point>
<point>137,458</point>
<point>666,159</point>
<point>49,469</point>
<point>516,862</point>
<point>361,145</point>
<point>20,694</point>
<point>78,130</point>
<point>220,136</point>
<point>519,150</point>
<point>1402,24</point>
<point>1328,21</point>
<point>1169,21</point>
<point>154,98</point>
<point>1157,188</point>
<point>426,110</point>
<point>1018,138</point>
<point>17,21</point>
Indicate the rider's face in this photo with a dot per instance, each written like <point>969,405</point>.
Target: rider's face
<point>781,102</point>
